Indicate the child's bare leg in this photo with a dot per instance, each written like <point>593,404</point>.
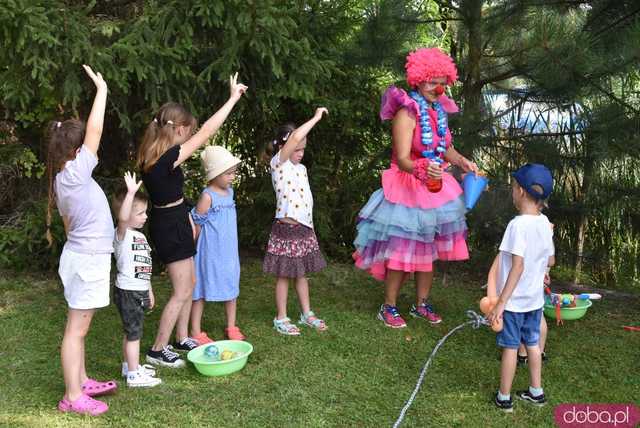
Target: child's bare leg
<point>197,309</point>
<point>71,352</point>
<point>230,307</point>
<point>180,273</point>
<point>424,281</point>
<point>83,368</point>
<point>392,284</point>
<point>543,333</point>
<point>182,324</point>
<point>131,349</point>
<point>282,289</point>
<point>535,365</point>
<point>302,288</point>
<point>507,370</point>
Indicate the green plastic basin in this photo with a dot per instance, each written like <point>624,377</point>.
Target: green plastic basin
<point>567,313</point>
<point>220,368</point>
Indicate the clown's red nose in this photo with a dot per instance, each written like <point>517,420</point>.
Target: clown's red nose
<point>438,90</point>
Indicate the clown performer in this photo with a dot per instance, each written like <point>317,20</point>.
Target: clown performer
<point>418,215</point>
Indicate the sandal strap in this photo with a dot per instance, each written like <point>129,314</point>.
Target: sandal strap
<point>285,325</point>
<point>317,322</point>
<point>311,319</point>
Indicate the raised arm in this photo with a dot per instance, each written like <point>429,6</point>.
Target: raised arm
<point>127,204</point>
<point>95,122</point>
<point>211,126</point>
<point>300,133</point>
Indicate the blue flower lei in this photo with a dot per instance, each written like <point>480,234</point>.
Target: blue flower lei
<point>434,154</point>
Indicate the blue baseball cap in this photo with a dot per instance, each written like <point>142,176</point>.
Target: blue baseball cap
<point>534,173</point>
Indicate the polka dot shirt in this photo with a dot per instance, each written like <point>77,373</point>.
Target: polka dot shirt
<point>293,194</point>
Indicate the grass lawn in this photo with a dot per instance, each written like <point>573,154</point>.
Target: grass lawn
<point>359,373</point>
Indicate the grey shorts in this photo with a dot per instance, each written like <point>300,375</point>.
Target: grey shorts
<point>132,304</point>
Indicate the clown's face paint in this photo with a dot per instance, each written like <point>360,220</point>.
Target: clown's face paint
<point>432,89</point>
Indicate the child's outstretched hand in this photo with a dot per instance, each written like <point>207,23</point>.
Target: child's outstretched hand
<point>96,77</point>
<point>130,180</point>
<point>236,89</point>
<point>320,111</point>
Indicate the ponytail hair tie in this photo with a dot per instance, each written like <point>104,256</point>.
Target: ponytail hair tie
<point>286,137</point>
<point>169,122</point>
<point>58,124</point>
<point>155,120</point>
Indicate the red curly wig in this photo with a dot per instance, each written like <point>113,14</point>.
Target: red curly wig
<point>425,64</point>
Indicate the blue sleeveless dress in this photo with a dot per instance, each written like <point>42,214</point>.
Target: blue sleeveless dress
<point>217,261</point>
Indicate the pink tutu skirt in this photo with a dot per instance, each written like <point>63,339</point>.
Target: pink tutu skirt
<point>406,228</point>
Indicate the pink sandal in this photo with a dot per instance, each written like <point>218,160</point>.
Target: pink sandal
<point>234,333</point>
<point>93,388</point>
<point>84,405</point>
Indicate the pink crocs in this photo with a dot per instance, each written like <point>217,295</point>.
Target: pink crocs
<point>84,405</point>
<point>93,388</point>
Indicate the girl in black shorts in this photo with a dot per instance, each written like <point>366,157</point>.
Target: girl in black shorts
<point>169,141</point>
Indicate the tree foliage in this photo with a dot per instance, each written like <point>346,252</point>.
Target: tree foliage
<point>565,73</point>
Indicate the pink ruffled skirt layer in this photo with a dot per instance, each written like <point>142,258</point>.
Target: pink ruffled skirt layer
<point>405,227</point>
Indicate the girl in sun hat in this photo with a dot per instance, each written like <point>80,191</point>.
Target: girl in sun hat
<point>217,262</point>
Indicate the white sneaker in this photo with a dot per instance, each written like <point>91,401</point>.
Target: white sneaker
<point>140,379</point>
<point>147,368</point>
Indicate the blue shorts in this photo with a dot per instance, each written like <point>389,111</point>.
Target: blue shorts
<point>519,327</point>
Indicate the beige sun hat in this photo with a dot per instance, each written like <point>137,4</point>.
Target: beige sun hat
<point>216,160</point>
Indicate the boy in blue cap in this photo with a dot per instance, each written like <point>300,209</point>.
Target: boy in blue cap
<point>525,253</point>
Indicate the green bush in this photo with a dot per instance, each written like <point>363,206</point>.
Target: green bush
<point>23,243</point>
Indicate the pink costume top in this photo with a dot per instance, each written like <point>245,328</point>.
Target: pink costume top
<point>401,187</point>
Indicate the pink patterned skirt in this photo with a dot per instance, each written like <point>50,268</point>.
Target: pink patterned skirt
<point>292,251</point>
